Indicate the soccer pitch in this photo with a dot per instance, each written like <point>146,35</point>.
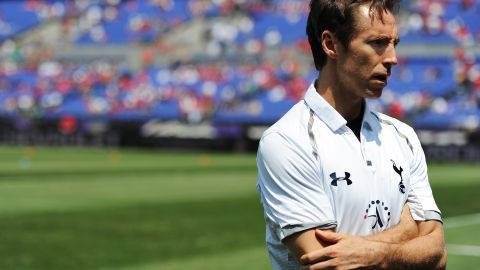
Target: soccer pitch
<point>77,208</point>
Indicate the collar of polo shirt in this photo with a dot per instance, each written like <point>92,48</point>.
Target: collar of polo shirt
<point>325,111</point>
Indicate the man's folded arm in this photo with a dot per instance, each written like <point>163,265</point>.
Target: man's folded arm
<point>409,244</point>
<point>427,251</point>
<point>303,242</point>
<point>413,238</point>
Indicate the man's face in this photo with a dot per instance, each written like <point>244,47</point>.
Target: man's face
<point>363,68</point>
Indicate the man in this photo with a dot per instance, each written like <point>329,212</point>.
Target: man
<point>340,183</point>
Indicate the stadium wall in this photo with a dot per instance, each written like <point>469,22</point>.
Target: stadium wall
<point>439,146</point>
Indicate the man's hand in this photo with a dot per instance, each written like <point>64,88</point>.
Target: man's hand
<point>350,252</point>
<point>407,245</point>
<point>346,252</point>
<point>359,251</point>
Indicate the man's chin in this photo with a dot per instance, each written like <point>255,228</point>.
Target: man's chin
<point>374,93</point>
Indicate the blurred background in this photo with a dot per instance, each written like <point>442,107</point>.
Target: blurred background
<point>128,129</point>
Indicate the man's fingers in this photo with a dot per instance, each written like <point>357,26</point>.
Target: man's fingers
<point>311,257</point>
<point>328,236</point>
<point>315,256</point>
<point>322,255</point>
<point>330,264</point>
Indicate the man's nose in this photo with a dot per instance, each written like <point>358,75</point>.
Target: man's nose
<point>390,56</point>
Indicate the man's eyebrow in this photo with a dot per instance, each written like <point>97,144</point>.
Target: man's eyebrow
<point>396,40</point>
<point>384,36</point>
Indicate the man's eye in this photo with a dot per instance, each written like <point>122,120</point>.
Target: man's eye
<point>380,42</point>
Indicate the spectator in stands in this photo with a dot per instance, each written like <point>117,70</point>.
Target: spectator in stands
<point>240,38</point>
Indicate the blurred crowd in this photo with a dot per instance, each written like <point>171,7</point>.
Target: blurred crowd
<point>254,62</point>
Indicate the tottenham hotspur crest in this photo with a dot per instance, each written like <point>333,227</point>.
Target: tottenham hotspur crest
<point>399,171</point>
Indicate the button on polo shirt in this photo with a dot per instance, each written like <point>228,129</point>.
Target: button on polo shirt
<point>313,172</point>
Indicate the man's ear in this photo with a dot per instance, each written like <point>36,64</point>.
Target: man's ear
<point>329,43</point>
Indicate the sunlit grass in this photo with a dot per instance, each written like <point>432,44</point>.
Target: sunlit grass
<point>138,210</point>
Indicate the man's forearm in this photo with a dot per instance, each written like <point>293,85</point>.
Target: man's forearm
<point>423,252</point>
<point>426,251</point>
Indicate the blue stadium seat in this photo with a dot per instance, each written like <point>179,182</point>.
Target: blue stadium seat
<point>15,18</point>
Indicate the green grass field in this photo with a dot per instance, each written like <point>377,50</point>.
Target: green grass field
<point>80,208</point>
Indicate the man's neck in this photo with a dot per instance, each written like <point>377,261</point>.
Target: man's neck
<point>346,104</point>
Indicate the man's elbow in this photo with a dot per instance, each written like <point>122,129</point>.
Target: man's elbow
<point>442,250</point>
<point>442,262</point>
<point>440,253</point>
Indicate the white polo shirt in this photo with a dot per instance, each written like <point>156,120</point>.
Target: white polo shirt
<point>313,172</point>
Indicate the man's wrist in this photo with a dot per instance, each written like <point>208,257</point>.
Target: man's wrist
<point>379,254</point>
<point>388,255</point>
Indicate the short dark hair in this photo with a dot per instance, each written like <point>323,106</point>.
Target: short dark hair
<point>338,16</point>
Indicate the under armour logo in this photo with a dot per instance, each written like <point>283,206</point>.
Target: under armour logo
<point>379,213</point>
<point>335,179</point>
<point>401,186</point>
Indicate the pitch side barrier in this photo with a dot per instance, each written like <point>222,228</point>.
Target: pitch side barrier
<point>132,133</point>
<point>453,153</point>
<point>439,145</point>
<point>451,145</point>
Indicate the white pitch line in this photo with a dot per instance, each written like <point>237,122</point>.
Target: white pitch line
<point>465,250</point>
<point>460,221</point>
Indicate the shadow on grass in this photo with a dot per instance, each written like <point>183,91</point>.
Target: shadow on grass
<point>458,200</point>
<point>128,236</point>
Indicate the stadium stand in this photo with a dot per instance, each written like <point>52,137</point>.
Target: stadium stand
<point>241,62</point>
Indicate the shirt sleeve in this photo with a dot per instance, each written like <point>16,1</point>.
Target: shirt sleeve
<point>290,187</point>
<point>420,197</point>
